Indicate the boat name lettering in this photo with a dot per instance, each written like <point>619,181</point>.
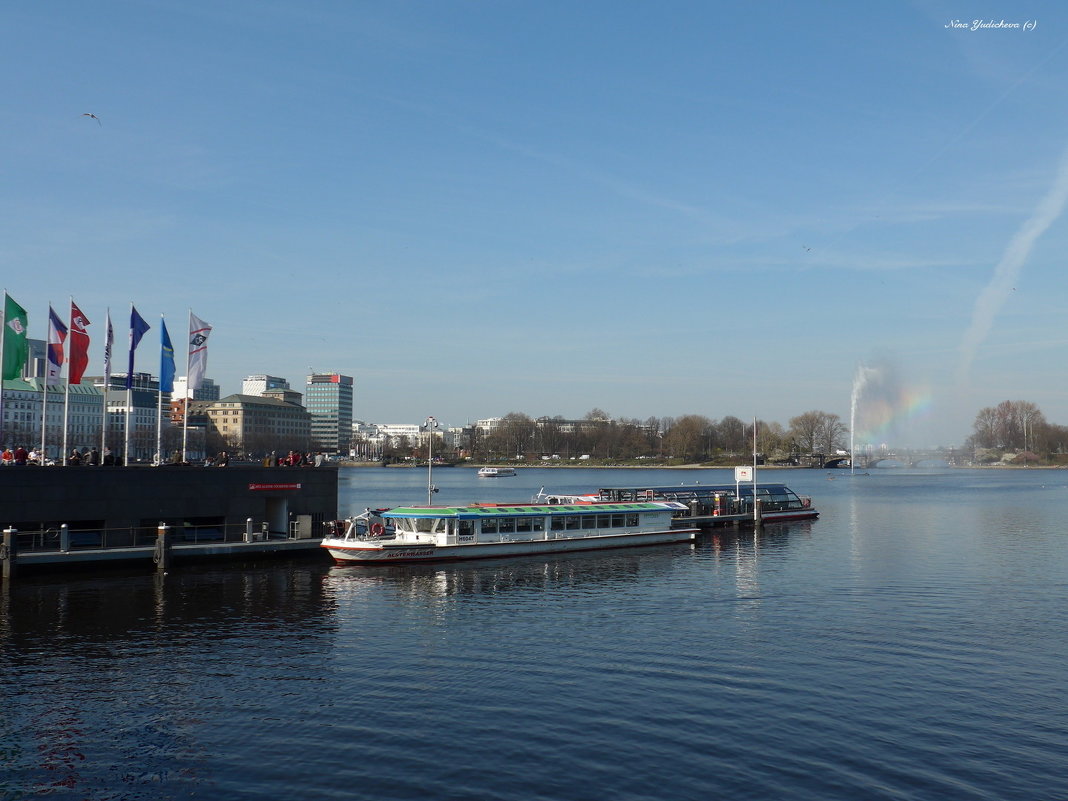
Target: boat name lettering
<point>274,486</point>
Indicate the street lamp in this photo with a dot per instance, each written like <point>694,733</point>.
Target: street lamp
<point>430,425</point>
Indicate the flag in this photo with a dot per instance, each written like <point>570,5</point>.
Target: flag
<point>198,353</point>
<point>166,359</point>
<point>109,340</point>
<point>78,350</point>
<point>57,335</point>
<point>138,327</point>
<point>15,344</point>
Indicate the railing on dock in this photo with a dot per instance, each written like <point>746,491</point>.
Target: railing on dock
<point>65,539</point>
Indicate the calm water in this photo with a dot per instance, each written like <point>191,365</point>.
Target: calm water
<point>910,644</point>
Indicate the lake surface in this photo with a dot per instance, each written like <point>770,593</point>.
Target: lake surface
<point>912,643</point>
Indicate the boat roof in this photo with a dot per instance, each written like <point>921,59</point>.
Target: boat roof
<point>682,488</point>
<point>479,511</point>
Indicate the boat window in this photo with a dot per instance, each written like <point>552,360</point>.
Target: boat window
<point>617,521</point>
<point>558,523</point>
<point>604,521</point>
<point>632,520</point>
<point>489,526</point>
<point>523,523</point>
<point>538,523</point>
<point>464,527</point>
<point>506,525</point>
<point>425,524</point>
<point>572,522</point>
<point>589,521</point>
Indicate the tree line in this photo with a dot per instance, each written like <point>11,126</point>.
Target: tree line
<point>1019,427</point>
<point>690,439</point>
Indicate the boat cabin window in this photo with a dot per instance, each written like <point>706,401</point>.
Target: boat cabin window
<point>589,521</point>
<point>604,521</point>
<point>506,525</point>
<point>429,524</point>
<point>523,524</point>
<point>567,522</point>
<point>464,527</point>
<point>489,526</point>
<point>632,520</point>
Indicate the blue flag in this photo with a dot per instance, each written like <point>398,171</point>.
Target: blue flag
<point>166,359</point>
<point>138,327</point>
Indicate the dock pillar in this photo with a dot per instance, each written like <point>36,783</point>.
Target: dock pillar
<point>64,538</point>
<point>162,555</point>
<point>265,533</point>
<point>9,552</point>
<point>758,519</point>
<point>248,530</point>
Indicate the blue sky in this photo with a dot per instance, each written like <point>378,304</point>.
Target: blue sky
<point>482,207</point>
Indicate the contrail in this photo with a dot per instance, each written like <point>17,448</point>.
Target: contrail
<point>993,296</point>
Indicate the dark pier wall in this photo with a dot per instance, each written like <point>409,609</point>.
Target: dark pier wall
<point>117,497</point>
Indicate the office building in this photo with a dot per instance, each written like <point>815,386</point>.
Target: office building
<point>328,398</point>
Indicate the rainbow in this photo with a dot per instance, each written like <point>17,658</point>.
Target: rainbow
<point>887,416</point>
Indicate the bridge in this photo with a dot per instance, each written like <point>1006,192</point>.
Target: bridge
<point>900,458</point>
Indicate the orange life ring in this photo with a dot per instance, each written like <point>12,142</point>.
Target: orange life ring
<point>377,529</point>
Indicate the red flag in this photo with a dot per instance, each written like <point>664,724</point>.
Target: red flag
<point>79,345</point>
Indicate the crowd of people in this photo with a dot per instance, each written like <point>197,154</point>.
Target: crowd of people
<point>19,456</point>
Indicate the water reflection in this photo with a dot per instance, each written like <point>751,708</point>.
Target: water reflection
<point>119,609</point>
<point>492,578</point>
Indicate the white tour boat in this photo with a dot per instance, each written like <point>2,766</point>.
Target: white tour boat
<point>496,472</point>
<point>436,533</point>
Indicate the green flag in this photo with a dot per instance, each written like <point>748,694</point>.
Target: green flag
<point>15,346</point>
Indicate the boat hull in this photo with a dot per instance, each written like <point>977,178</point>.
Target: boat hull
<point>370,553</point>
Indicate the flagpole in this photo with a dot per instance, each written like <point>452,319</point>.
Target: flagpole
<point>3,352</point>
<point>159,430</point>
<point>66,392</point>
<point>44,385</point>
<point>129,396</point>
<point>159,409</point>
<point>107,380</point>
<point>185,402</point>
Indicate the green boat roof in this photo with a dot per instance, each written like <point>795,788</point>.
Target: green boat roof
<point>529,509</point>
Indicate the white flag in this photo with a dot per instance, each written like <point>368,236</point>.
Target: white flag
<point>109,340</point>
<point>198,353</point>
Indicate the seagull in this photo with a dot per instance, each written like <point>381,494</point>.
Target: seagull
<point>93,116</point>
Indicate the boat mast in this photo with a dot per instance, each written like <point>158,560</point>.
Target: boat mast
<point>430,424</point>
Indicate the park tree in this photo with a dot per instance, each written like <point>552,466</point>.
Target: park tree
<point>818,432</point>
<point>514,435</point>
<point>733,435</point>
<point>1011,425</point>
<point>688,438</point>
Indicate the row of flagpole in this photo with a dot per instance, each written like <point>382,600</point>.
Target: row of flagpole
<point>14,347</point>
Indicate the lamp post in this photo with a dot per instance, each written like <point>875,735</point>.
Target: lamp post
<point>430,424</point>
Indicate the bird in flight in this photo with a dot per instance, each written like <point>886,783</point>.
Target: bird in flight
<point>92,116</point>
